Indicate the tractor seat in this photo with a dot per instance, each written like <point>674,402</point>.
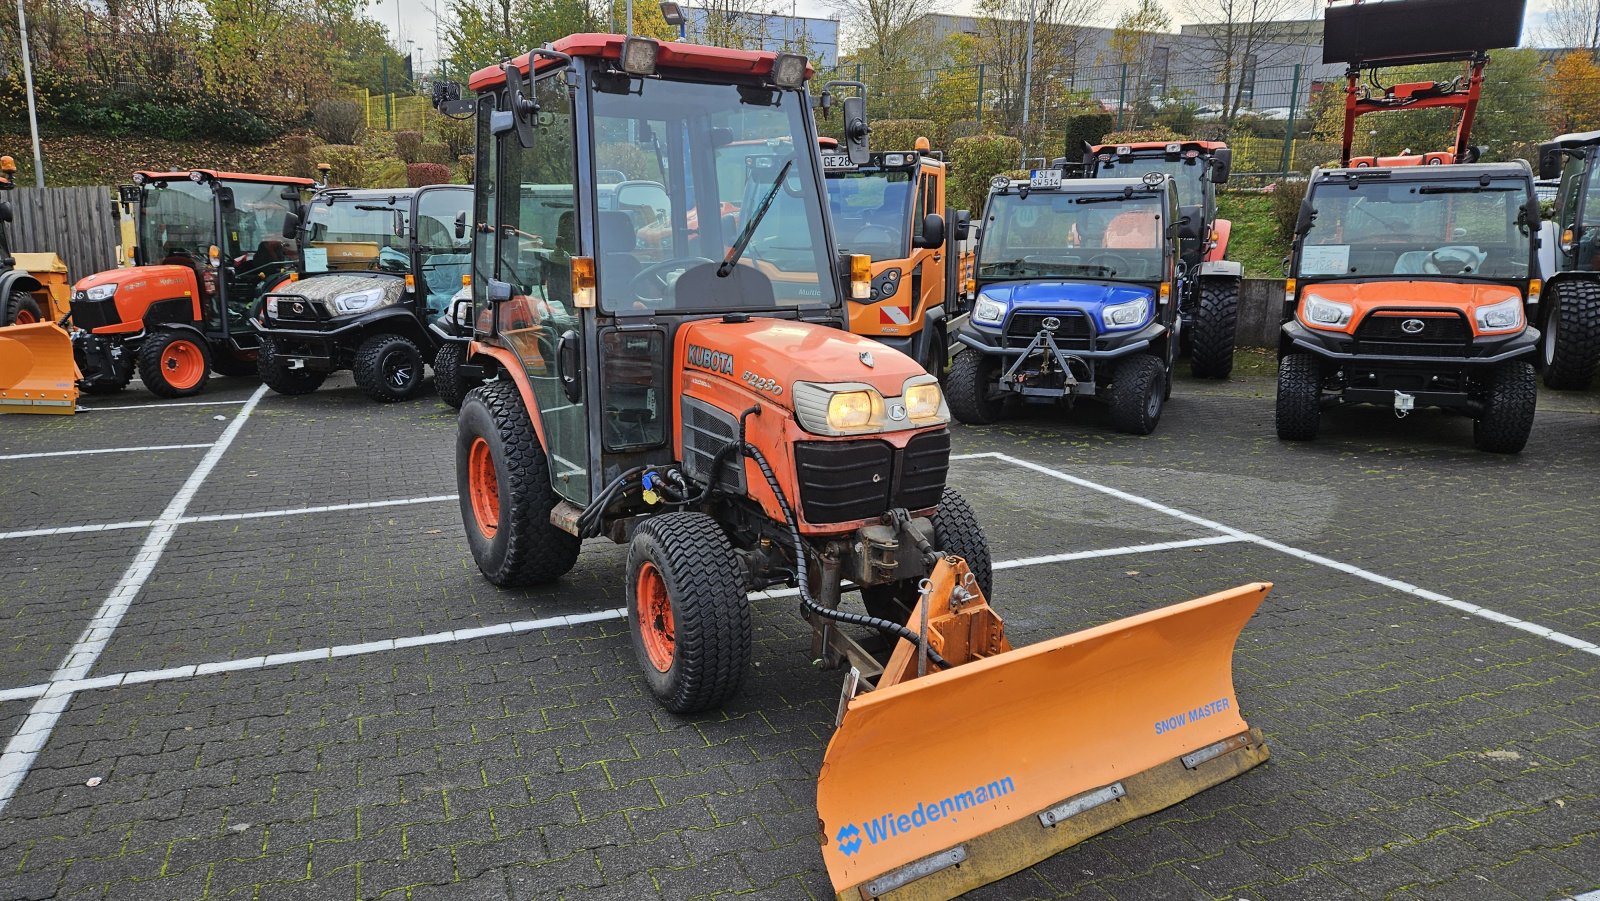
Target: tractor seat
<point>618,240</point>
<point>1132,230</point>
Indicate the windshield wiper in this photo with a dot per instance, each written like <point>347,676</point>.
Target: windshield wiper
<point>1465,189</point>
<point>743,241</point>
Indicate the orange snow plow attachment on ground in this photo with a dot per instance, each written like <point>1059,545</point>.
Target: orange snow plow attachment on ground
<point>1054,742</point>
<point>37,373</point>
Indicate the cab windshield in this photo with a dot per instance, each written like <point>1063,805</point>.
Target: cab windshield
<point>1460,229</point>
<point>177,220</point>
<point>870,211</point>
<point>1105,236</point>
<point>1186,174</point>
<point>715,210</point>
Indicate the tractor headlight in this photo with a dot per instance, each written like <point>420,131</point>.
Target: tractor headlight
<point>1125,315</point>
<point>924,402</point>
<point>843,408</point>
<point>1320,312</point>
<point>356,301</point>
<point>1505,316</point>
<point>989,312</point>
<point>100,292</point>
<point>850,411</point>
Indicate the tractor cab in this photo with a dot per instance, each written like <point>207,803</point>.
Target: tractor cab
<point>1569,256</point>
<point>892,209</point>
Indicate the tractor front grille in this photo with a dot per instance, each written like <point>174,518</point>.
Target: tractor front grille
<point>1414,333</point>
<point>706,430</point>
<point>1073,331</point>
<point>841,481</point>
<point>92,314</point>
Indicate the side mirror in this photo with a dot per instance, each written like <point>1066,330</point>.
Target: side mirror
<point>496,291</point>
<point>291,226</point>
<point>932,231</point>
<point>963,228</point>
<point>461,226</point>
<point>1221,166</point>
<point>1303,219</point>
<point>856,130</point>
<point>522,108</point>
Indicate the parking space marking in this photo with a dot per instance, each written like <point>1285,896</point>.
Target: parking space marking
<point>227,517</point>
<point>103,450</point>
<point>1493,616</point>
<point>24,747</point>
<point>181,403</point>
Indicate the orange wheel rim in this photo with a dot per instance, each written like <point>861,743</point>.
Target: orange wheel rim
<point>183,364</point>
<point>484,488</point>
<point>655,617</point>
<point>25,317</point>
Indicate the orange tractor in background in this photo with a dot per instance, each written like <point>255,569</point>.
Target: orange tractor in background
<point>209,245</point>
<point>682,384</point>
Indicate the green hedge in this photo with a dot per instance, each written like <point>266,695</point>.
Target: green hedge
<point>975,160</point>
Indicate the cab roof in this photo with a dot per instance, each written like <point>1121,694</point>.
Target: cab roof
<point>1090,185</point>
<point>1575,139</point>
<point>672,55</point>
<point>1456,171</point>
<point>157,175</point>
<point>1162,145</point>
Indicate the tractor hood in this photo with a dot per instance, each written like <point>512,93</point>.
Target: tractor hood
<point>1054,293</point>
<point>163,281</point>
<point>771,355</point>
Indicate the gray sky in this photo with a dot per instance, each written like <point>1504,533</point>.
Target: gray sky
<point>416,19</point>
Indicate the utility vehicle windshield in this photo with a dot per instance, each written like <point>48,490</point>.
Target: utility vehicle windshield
<point>870,211</point>
<point>700,163</point>
<point>1045,234</point>
<point>1186,174</point>
<point>1457,228</point>
<point>357,232</point>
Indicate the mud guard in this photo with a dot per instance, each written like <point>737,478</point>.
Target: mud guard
<point>37,371</point>
<point>941,783</point>
<point>1222,229</point>
<point>1220,269</point>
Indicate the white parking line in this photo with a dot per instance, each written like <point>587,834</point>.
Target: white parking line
<point>30,738</point>
<point>1494,616</point>
<point>225,517</point>
<point>103,450</point>
<point>181,403</point>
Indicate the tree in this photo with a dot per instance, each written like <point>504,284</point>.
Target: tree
<point>1131,44</point>
<point>1574,89</point>
<point>883,31</point>
<point>1571,23</point>
<point>1237,39</point>
<point>1002,48</point>
<point>484,32</point>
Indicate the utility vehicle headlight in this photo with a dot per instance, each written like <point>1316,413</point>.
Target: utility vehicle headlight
<point>923,401</point>
<point>850,411</point>
<point>356,301</point>
<point>1505,316</point>
<point>1126,315</point>
<point>1320,312</point>
<point>988,311</point>
<point>100,292</point>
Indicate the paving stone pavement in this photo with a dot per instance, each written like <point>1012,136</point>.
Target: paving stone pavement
<point>1417,752</point>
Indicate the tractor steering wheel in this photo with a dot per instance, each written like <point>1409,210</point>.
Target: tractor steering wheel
<point>1449,261</point>
<point>650,286</point>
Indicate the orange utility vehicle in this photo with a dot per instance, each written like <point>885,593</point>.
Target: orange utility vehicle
<point>892,209</point>
<point>694,397</point>
<point>210,243</point>
<point>1208,307</point>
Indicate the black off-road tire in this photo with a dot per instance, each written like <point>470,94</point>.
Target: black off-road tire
<point>277,375</point>
<point>704,581</point>
<point>21,302</point>
<point>1510,396</point>
<point>152,371</point>
<point>955,531</point>
<point>525,549</point>
<point>1216,329</point>
<point>967,387</point>
<point>447,378</point>
<point>1570,344</point>
<point>1138,394</point>
<point>389,368</point>
<point>1299,410</point>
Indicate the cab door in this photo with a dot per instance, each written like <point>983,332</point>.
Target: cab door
<point>929,274</point>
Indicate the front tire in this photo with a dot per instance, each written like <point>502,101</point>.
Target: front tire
<point>1216,327</point>
<point>22,309</point>
<point>447,377</point>
<point>972,376</point>
<point>503,478</point>
<point>1571,340</point>
<point>955,531</point>
<point>1508,406</point>
<point>174,363</point>
<point>275,372</point>
<point>688,611</point>
<point>1138,394</point>
<point>938,353</point>
<point>1299,411</point>
<point>389,368</point>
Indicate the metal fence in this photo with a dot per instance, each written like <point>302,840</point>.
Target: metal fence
<point>78,224</point>
<point>393,112</point>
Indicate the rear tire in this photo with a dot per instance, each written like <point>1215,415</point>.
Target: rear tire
<point>22,309</point>
<point>688,611</point>
<point>447,378</point>
<point>955,531</point>
<point>389,368</point>
<point>1571,341</point>
<point>1216,326</point>
<point>174,363</point>
<point>1508,407</point>
<point>275,372</point>
<point>1138,394</point>
<point>506,493</point>
<point>1299,411</point>
<point>967,387</point>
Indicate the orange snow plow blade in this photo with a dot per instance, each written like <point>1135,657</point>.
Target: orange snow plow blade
<point>935,785</point>
<point>37,373</point>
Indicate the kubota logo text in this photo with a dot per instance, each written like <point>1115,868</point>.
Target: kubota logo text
<point>1193,716</point>
<point>892,825</point>
<point>714,360</point>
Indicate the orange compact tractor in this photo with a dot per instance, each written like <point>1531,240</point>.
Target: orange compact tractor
<point>681,383</point>
<point>209,244</point>
<point>892,209</point>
